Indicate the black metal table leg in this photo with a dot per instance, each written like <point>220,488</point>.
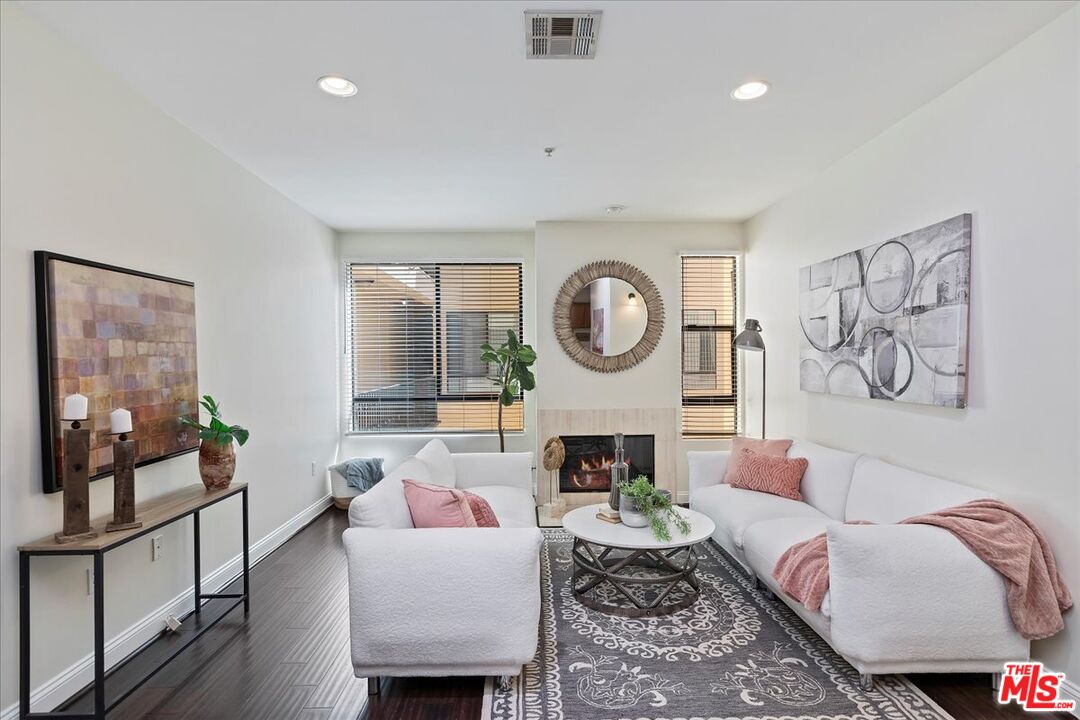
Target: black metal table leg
<point>99,635</point>
<point>247,583</point>
<point>24,634</point>
<point>198,563</point>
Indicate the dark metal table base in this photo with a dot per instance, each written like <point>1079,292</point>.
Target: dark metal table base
<point>671,568</point>
<point>104,696</point>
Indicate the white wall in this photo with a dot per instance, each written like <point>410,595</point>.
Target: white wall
<point>562,248</point>
<point>401,245</point>
<point>1004,145</point>
<point>90,169</point>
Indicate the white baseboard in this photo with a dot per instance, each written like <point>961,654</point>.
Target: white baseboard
<point>73,679</point>
<point>682,497</point>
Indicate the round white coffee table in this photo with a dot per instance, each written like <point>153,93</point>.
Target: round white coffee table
<point>610,559</point>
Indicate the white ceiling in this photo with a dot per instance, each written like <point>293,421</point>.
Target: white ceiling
<point>448,128</point>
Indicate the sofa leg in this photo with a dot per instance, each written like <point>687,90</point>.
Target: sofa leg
<point>505,683</point>
<point>995,681</point>
<point>866,681</point>
<point>373,685</point>
<point>761,587</point>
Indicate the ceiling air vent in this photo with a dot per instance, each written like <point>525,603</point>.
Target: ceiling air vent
<point>561,34</point>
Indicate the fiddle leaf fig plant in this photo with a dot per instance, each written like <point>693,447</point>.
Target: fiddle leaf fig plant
<point>655,506</point>
<point>512,375</point>
<point>217,431</point>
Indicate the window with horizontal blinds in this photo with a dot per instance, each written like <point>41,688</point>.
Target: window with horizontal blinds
<point>709,382</point>
<point>414,332</point>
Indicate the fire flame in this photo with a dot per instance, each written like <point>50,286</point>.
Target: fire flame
<point>594,470</point>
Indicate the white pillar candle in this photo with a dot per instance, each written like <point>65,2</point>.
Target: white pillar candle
<point>75,407</point>
<point>120,421</point>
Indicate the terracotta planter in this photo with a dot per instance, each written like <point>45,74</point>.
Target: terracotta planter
<point>217,463</point>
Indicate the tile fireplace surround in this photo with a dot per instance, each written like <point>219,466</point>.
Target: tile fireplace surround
<point>662,423</point>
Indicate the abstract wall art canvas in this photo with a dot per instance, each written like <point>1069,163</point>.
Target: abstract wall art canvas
<point>124,339</point>
<point>890,321</point>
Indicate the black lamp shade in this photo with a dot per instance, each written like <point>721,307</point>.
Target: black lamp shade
<point>750,337</point>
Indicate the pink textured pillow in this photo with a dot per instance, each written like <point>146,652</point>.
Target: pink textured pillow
<point>481,510</point>
<point>770,474</point>
<point>777,448</point>
<point>435,506</point>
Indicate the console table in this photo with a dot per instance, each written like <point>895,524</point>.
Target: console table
<point>110,690</point>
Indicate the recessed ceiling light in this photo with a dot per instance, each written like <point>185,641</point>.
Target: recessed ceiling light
<point>614,209</point>
<point>337,86</point>
<point>750,90</point>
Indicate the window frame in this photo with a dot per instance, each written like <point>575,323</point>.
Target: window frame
<point>735,398</point>
<point>346,373</point>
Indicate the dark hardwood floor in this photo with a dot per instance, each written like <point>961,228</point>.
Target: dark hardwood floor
<point>290,659</point>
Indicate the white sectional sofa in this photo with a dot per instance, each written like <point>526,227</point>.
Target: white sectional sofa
<point>902,598</point>
<point>445,601</point>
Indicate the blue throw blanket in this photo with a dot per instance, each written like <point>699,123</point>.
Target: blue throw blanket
<point>361,473</point>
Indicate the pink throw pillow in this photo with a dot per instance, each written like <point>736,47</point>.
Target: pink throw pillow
<point>770,474</point>
<point>435,506</point>
<point>777,448</point>
<point>481,510</point>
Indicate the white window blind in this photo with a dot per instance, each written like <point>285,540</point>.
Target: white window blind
<point>709,383</point>
<point>413,337</point>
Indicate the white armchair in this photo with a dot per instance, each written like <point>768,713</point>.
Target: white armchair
<point>446,601</point>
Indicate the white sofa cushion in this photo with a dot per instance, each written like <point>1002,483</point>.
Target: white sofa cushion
<point>706,468</point>
<point>883,493</point>
<point>384,505</point>
<point>475,469</point>
<point>440,463</point>
<point>513,506</point>
<point>827,479</point>
<point>764,542</point>
<point>736,509</point>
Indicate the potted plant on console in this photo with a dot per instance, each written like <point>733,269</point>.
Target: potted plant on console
<point>511,360</point>
<point>217,457</point>
<point>641,504</point>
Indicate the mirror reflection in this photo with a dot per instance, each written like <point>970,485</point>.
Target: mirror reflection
<point>608,316</point>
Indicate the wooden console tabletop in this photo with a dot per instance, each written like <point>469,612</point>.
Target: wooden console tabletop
<point>154,514</point>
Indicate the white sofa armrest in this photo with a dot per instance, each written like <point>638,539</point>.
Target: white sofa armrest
<point>706,468</point>
<point>514,469</point>
<point>900,593</point>
<point>424,600</point>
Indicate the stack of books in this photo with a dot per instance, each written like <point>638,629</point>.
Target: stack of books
<point>606,514</point>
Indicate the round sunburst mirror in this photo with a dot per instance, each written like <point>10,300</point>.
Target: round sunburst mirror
<point>608,316</point>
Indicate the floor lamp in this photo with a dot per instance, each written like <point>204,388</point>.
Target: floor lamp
<point>750,339</point>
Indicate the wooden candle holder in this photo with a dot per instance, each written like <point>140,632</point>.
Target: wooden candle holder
<point>123,486</point>
<point>76,485</point>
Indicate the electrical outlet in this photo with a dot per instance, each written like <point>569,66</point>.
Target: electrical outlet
<point>89,581</point>
<point>155,548</point>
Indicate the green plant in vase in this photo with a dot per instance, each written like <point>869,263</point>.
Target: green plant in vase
<point>217,457</point>
<point>655,506</point>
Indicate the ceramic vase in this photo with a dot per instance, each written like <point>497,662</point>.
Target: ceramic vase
<point>217,464</point>
<point>629,514</point>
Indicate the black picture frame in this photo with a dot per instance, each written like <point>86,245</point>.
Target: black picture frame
<point>46,341</point>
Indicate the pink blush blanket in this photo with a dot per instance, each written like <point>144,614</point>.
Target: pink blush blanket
<point>999,535</point>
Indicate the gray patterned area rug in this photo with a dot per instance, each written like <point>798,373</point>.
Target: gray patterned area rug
<point>734,655</point>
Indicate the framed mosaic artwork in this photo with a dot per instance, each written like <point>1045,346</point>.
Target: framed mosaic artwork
<point>124,339</point>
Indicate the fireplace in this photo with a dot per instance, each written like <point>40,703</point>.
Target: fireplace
<point>589,458</point>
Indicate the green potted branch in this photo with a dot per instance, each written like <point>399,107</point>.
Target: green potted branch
<point>512,375</point>
<point>641,504</point>
<point>217,457</point>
